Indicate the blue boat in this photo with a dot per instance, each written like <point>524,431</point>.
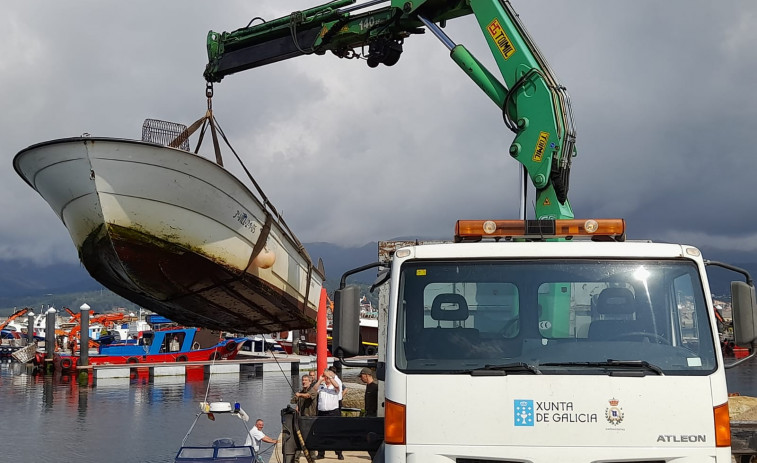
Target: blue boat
<point>223,449</point>
<point>160,346</point>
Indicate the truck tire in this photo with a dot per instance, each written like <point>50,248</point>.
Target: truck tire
<point>132,360</point>
<point>181,358</point>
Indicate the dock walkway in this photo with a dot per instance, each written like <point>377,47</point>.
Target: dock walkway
<point>349,456</point>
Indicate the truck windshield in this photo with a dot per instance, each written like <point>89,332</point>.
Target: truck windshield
<point>578,316</point>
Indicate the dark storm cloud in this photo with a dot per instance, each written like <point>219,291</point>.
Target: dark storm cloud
<point>662,94</point>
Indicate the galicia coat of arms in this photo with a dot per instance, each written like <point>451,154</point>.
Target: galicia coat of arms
<point>614,413</point>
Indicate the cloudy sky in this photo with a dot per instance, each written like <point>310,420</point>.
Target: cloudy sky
<point>663,95</point>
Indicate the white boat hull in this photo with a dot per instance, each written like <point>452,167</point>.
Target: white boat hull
<point>175,233</point>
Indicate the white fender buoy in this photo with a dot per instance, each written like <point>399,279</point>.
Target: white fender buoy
<point>264,259</point>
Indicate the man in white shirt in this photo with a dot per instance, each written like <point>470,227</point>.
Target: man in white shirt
<point>329,393</point>
<point>256,436</point>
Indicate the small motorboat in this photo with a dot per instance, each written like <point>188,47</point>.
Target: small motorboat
<point>221,449</point>
<point>176,233</point>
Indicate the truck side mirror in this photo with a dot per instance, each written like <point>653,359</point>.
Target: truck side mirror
<point>346,329</point>
<point>744,317</point>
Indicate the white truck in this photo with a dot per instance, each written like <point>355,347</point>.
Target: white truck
<point>519,349</point>
<point>539,345</point>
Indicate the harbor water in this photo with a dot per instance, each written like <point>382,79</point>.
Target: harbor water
<point>54,418</point>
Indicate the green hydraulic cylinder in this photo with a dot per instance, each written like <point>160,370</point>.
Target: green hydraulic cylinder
<point>493,88</point>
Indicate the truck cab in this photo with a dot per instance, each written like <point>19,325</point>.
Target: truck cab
<point>525,350</point>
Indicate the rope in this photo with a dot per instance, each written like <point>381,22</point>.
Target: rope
<point>298,244</point>
<point>305,451</point>
<point>209,120</point>
<point>212,363</point>
<point>190,429</point>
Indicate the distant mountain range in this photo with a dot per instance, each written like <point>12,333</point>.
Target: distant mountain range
<point>20,280</point>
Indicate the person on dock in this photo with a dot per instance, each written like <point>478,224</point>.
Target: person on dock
<point>370,398</point>
<point>329,388</point>
<point>307,398</point>
<point>257,436</point>
<point>371,392</point>
<point>342,387</point>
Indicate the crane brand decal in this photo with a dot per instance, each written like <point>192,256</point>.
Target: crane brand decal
<point>530,412</point>
<point>503,42</point>
<point>541,145</point>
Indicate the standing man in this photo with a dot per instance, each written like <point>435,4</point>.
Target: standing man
<point>338,382</point>
<point>307,398</point>
<point>371,392</point>
<point>328,401</point>
<point>370,398</point>
<point>256,436</point>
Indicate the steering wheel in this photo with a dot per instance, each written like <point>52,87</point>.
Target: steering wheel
<point>645,334</point>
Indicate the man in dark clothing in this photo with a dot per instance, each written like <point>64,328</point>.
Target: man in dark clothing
<point>306,399</point>
<point>371,396</point>
<point>371,392</point>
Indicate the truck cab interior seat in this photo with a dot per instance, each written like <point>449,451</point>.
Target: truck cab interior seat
<point>449,342</point>
<point>615,311</point>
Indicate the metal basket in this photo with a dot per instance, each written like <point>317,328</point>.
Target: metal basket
<point>25,354</point>
<point>164,133</point>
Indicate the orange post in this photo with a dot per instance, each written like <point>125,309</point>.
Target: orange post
<point>321,334</point>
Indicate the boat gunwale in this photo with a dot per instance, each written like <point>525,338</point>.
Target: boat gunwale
<point>264,205</point>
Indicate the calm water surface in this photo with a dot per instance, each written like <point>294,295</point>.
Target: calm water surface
<point>53,418</point>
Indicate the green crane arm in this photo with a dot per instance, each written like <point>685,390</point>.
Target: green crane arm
<point>534,105</point>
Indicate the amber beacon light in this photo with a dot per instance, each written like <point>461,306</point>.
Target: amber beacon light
<point>597,229</point>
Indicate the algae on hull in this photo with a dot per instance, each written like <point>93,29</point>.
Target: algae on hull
<point>188,287</point>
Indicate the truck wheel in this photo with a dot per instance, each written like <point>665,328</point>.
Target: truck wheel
<point>182,358</point>
<point>132,360</point>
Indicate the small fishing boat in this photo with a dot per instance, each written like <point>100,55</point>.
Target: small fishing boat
<point>176,233</point>
<point>221,449</point>
<point>172,345</point>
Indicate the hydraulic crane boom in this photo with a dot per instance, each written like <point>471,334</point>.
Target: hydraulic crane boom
<point>534,105</point>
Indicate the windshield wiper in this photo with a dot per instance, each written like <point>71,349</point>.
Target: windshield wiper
<point>639,364</point>
<point>503,369</point>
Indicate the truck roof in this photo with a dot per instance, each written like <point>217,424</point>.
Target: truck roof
<point>571,249</point>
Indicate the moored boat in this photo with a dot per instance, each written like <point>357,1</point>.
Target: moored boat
<point>172,345</point>
<point>175,233</point>
<point>222,449</point>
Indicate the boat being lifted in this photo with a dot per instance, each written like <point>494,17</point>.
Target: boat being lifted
<point>176,233</point>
